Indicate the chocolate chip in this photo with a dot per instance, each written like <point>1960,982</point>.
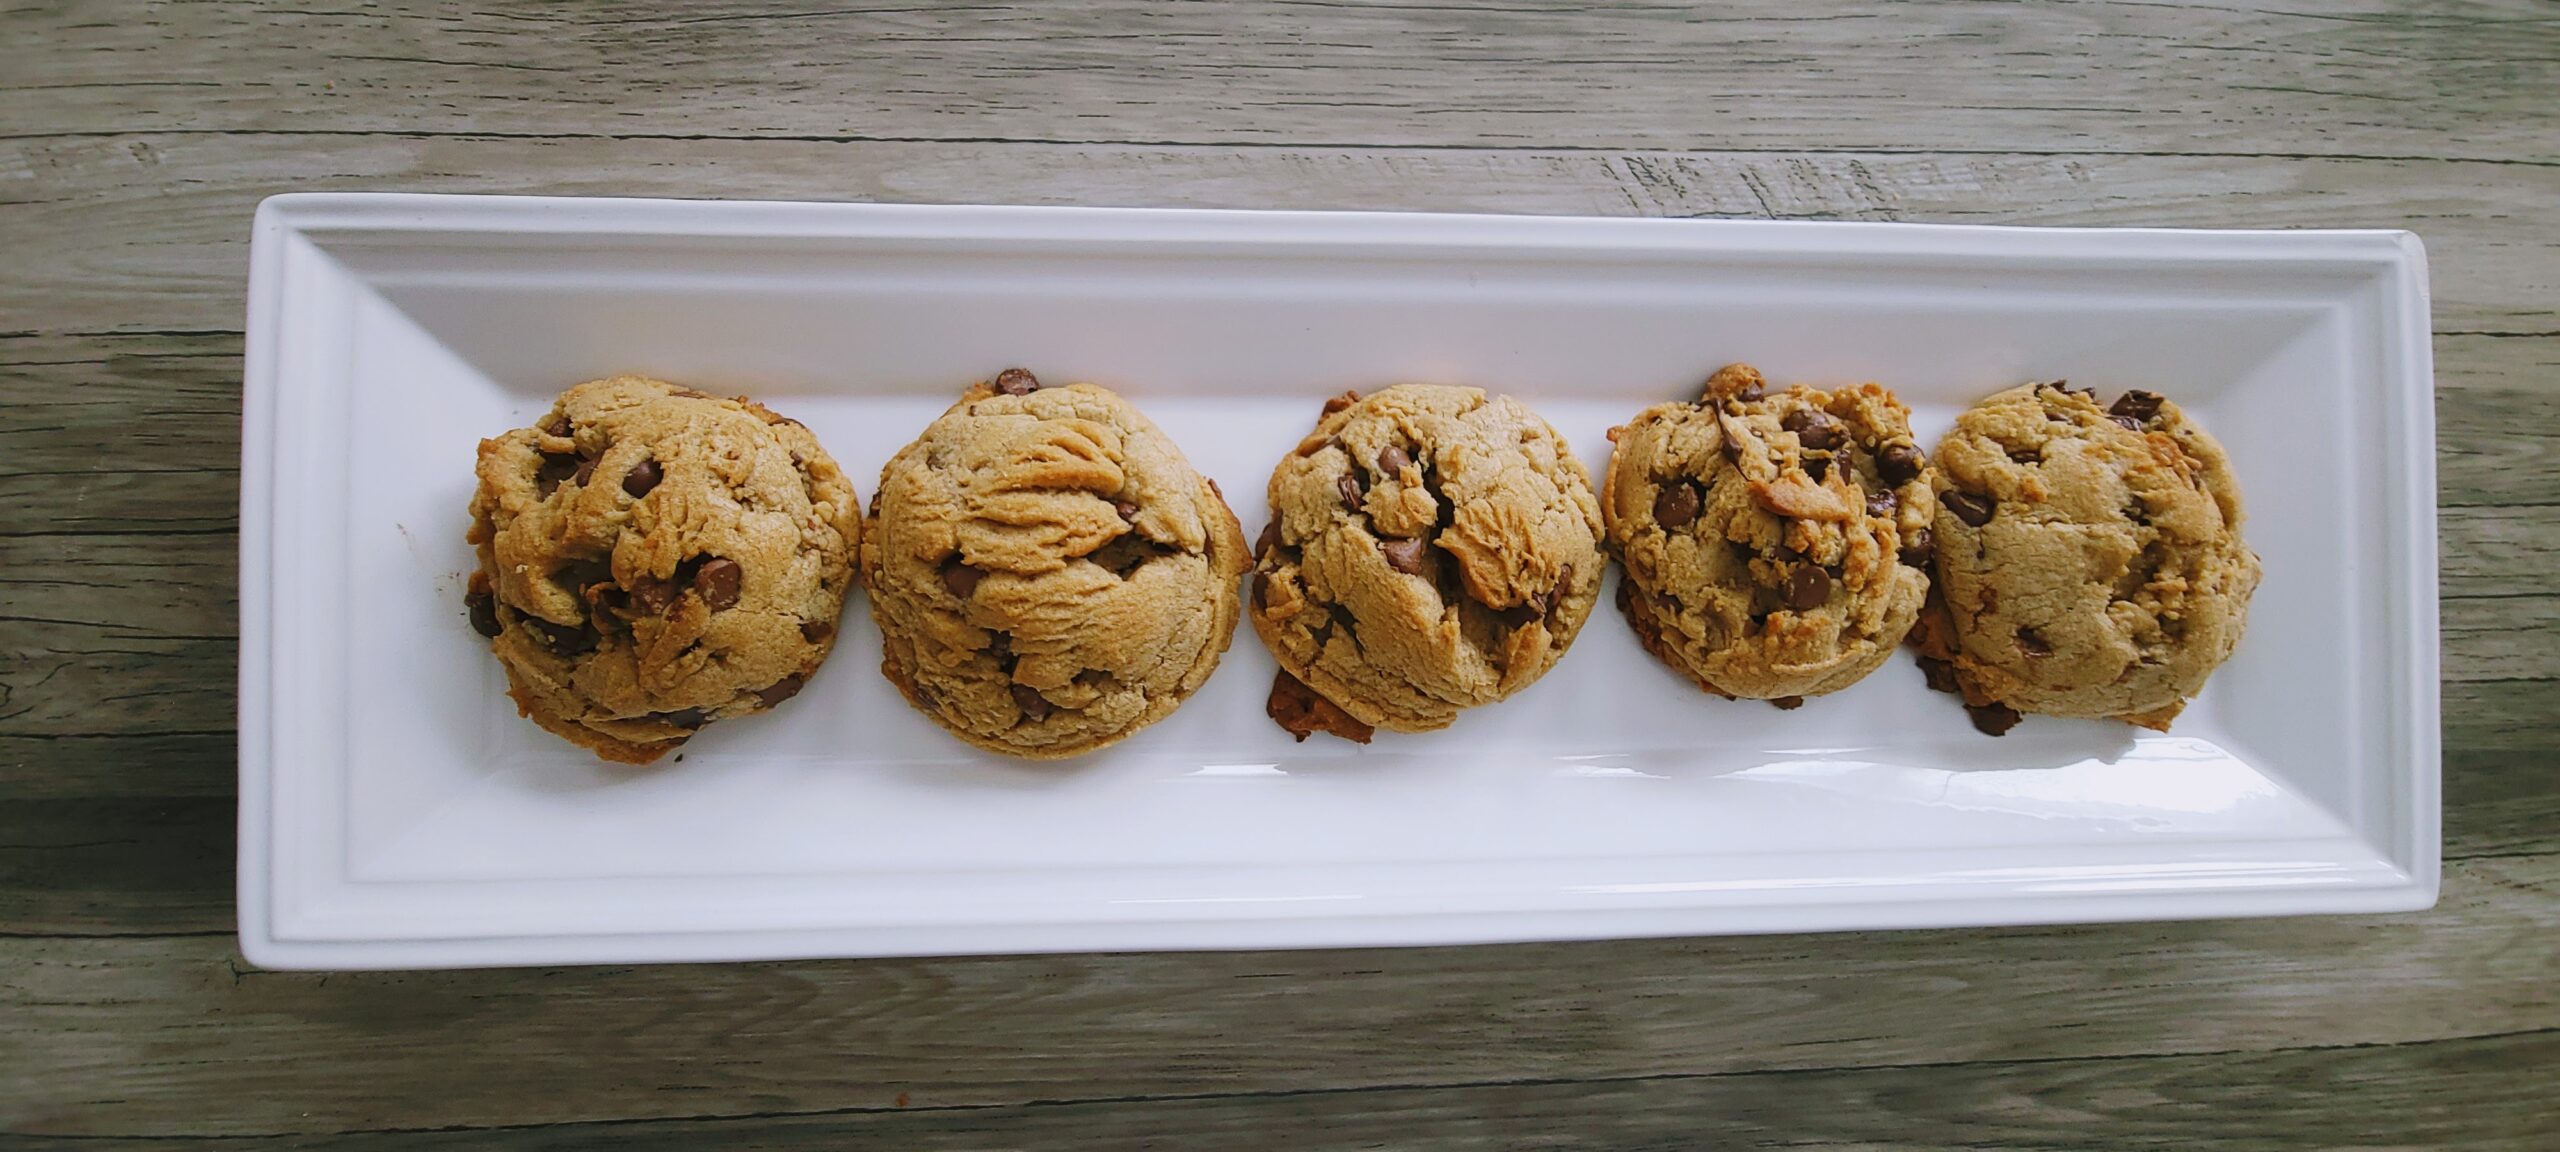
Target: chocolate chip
<point>1676,504</point>
<point>1750,392</point>
<point>2026,455</point>
<point>555,424</point>
<point>1882,502</point>
<point>1900,463</point>
<point>1034,706</point>
<point>484,611</point>
<point>960,578</point>
<point>1916,553</point>
<point>1017,382</point>
<point>683,717</point>
<point>1940,674</point>
<point>1123,554</point>
<point>1392,459</point>
<point>2033,644</point>
<point>1787,554</point>
<point>1538,604</point>
<point>1128,511</point>
<point>1764,600</point>
<point>2130,424</point>
<point>643,477</point>
<point>1405,556</point>
<point>1269,539</point>
<point>1348,487</point>
<point>718,581</point>
<point>1302,713</point>
<point>1807,588</point>
<point>563,639</point>
<point>1972,509</point>
<point>1338,403</point>
<point>1742,551</point>
<point>781,690</point>
<point>586,469</point>
<point>2137,403</point>
<point>816,631</point>
<point>1992,719</point>
<point>1814,429</point>
<point>1817,467</point>
<point>1787,703</point>
<point>556,468</point>
<point>1261,589</point>
<point>653,594</point>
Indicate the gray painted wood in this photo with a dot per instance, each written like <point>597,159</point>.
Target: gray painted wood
<point>2425,1095</point>
<point>134,141</point>
<point>2362,78</point>
<point>77,203</point>
<point>169,1035</point>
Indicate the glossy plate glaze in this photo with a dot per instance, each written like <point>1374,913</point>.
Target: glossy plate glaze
<point>396,813</point>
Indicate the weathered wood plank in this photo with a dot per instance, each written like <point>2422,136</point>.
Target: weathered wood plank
<point>117,866</point>
<point>2512,637</point>
<point>138,434</point>
<point>2501,803</point>
<point>170,766</point>
<point>122,1023</point>
<point>108,238</point>
<point>2366,78</point>
<point>2494,442</point>
<point>2513,716</point>
<point>2484,1094</point>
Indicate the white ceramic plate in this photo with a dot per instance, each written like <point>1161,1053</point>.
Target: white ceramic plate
<point>394,812</point>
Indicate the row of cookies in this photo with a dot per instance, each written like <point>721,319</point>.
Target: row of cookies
<point>1050,575</point>
<point>2087,560</point>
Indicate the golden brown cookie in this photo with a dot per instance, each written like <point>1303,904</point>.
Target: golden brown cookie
<point>653,559</point>
<point>1049,574</point>
<point>1431,548</point>
<point>2090,558</point>
<point>1775,544</point>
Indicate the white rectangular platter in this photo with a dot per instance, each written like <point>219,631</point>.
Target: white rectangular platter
<point>394,812</point>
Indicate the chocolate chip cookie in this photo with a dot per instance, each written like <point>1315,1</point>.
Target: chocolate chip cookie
<point>653,558</point>
<point>2090,558</point>
<point>1049,574</point>
<point>1431,548</point>
<point>1776,544</point>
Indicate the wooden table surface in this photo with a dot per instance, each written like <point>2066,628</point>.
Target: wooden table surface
<point>135,139</point>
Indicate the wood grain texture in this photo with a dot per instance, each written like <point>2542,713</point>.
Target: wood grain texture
<point>2362,78</point>
<point>123,1023</point>
<point>73,205</point>
<point>2425,1095</point>
<point>135,139</point>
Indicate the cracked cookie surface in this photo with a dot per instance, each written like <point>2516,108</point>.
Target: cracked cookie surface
<point>653,558</point>
<point>1431,548</point>
<point>1050,575</point>
<point>1775,544</point>
<point>2089,558</point>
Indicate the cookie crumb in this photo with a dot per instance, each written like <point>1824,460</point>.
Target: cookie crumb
<point>1298,709</point>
